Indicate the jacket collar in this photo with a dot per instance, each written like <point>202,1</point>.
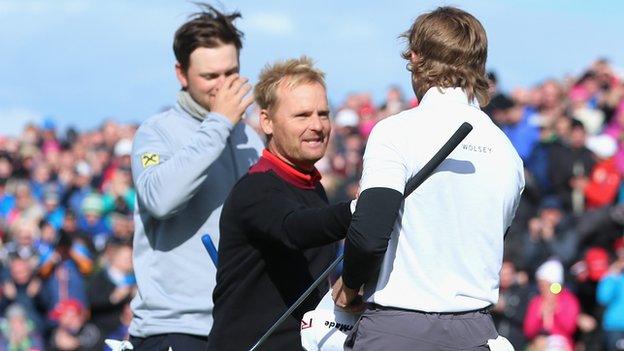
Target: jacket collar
<point>444,95</point>
<point>270,162</point>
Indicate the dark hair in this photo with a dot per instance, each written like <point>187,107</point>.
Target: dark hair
<point>209,28</point>
<point>577,124</point>
<point>451,50</point>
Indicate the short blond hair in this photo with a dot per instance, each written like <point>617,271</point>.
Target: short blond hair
<point>292,72</point>
<point>451,49</point>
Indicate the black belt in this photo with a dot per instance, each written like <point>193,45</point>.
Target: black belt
<point>375,306</point>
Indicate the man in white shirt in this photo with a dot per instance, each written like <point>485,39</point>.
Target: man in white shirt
<point>429,265</point>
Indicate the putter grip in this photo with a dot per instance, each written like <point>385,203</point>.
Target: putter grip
<point>446,149</point>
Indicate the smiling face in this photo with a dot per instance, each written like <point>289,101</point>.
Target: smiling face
<point>298,125</point>
<point>208,68</point>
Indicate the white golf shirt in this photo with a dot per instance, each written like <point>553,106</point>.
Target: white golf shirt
<point>445,251</point>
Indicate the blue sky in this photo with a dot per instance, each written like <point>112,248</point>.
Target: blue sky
<point>84,61</point>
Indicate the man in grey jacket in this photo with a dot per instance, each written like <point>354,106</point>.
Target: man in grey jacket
<point>184,162</point>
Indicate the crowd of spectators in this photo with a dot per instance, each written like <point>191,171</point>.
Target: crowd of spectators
<point>67,201</point>
<point>66,204</point>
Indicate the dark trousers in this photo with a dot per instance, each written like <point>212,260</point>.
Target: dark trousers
<point>381,329</point>
<point>177,342</point>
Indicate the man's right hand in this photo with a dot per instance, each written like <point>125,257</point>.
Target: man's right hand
<point>231,100</point>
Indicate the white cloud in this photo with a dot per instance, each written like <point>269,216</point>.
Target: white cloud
<point>270,23</point>
<point>14,119</point>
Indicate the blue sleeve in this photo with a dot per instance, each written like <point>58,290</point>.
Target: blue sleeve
<point>607,289</point>
<point>165,180</point>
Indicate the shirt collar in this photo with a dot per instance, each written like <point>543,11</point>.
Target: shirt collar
<point>458,95</point>
<point>270,162</point>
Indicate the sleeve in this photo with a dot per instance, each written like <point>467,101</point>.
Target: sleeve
<point>533,322</point>
<point>165,181</point>
<point>565,317</point>
<point>607,289</point>
<point>273,215</point>
<point>383,182</point>
<point>368,235</point>
<point>99,293</point>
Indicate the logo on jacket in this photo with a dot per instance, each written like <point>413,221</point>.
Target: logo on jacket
<point>150,159</point>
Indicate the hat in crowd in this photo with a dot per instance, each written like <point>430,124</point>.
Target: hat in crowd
<point>83,169</point>
<point>123,148</point>
<point>15,310</point>
<point>603,146</point>
<point>550,202</point>
<point>66,306</point>
<point>92,204</point>
<point>550,271</point>
<point>49,124</point>
<point>597,261</point>
<point>346,118</point>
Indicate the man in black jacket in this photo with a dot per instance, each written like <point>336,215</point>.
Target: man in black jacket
<point>277,231</point>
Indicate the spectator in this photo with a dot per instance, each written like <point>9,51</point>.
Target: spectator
<point>604,182</point>
<point>80,187</point>
<point>555,310</point>
<point>63,269</point>
<point>570,165</point>
<point>112,288</point>
<point>23,288</point>
<point>18,333</point>
<point>93,222</point>
<point>509,312</point>
<point>54,212</point>
<point>121,333</point>
<point>551,234</point>
<point>23,237</point>
<point>611,295</point>
<point>73,332</point>
<point>26,207</point>
<point>519,124</point>
<point>588,272</point>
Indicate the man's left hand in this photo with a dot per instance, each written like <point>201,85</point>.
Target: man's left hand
<point>347,298</point>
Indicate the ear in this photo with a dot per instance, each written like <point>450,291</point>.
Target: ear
<point>266,124</point>
<point>413,57</point>
<point>181,75</point>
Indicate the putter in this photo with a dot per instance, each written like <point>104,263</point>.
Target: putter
<point>413,183</point>
<point>210,248</point>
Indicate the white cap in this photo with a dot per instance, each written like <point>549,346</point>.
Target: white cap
<point>347,118</point>
<point>603,146</point>
<point>550,271</point>
<point>83,169</point>
<point>123,147</point>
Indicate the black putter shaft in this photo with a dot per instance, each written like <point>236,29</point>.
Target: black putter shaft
<point>413,183</point>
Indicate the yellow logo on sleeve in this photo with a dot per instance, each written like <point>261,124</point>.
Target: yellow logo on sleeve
<point>150,159</point>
